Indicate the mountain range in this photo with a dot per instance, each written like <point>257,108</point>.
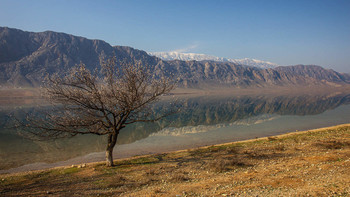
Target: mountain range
<point>202,57</point>
<point>26,57</point>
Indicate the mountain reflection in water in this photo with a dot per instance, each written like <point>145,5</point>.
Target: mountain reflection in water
<point>197,115</point>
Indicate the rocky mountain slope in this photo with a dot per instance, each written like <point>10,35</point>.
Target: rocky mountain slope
<point>203,57</point>
<point>25,57</point>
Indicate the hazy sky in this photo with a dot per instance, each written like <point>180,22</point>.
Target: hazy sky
<point>286,32</point>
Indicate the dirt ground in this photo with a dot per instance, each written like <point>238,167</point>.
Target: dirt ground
<point>310,163</point>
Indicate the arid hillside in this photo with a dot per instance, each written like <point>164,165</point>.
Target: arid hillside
<point>26,57</point>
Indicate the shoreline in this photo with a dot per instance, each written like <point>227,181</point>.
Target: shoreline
<point>35,92</point>
<point>311,162</point>
<point>5,174</point>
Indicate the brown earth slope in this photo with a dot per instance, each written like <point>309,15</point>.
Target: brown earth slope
<point>311,163</point>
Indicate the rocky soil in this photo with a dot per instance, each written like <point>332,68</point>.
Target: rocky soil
<point>310,163</point>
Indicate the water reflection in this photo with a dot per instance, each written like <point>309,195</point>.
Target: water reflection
<point>198,114</point>
<point>209,110</point>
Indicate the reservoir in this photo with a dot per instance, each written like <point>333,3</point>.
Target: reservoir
<point>202,120</point>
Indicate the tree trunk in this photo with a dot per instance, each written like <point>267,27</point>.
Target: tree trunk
<point>109,157</point>
<point>112,140</point>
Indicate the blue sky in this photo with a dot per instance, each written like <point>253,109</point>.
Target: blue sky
<point>286,32</point>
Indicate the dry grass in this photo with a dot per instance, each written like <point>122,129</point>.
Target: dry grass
<point>309,163</point>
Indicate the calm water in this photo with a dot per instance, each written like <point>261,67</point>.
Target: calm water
<point>203,120</point>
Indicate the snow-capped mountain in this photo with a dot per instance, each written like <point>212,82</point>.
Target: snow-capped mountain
<point>201,57</point>
<point>25,57</point>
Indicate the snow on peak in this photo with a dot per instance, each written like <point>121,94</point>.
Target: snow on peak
<point>201,57</point>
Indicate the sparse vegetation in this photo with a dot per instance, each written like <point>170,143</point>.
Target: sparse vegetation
<point>311,163</point>
<point>102,102</point>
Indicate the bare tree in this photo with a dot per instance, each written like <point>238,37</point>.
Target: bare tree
<point>101,102</point>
